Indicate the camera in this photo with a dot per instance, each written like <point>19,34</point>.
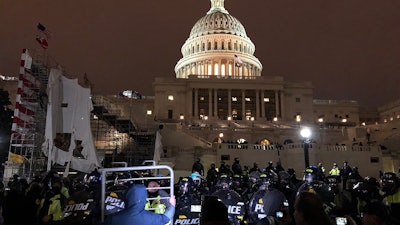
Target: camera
<point>341,221</point>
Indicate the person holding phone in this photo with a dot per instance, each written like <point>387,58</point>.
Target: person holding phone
<point>309,210</point>
<point>276,209</point>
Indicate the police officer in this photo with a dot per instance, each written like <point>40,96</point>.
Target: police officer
<point>345,172</point>
<point>236,167</point>
<point>237,183</point>
<point>335,171</point>
<point>255,168</point>
<point>367,191</point>
<point>198,167</point>
<point>52,205</point>
<point>270,167</point>
<point>321,171</point>
<point>158,199</point>
<point>224,169</point>
<point>391,193</point>
<point>212,175</point>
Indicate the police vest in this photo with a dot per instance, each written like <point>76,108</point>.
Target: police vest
<point>156,205</point>
<point>56,208</point>
<point>395,198</point>
<point>335,172</point>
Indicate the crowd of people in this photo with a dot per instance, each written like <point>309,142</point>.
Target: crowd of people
<point>346,196</point>
<point>220,194</point>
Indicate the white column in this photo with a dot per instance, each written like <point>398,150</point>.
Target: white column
<point>210,108</point>
<point>216,103</point>
<point>282,109</point>
<point>262,104</point>
<point>257,104</point>
<point>226,68</point>
<point>220,67</point>
<point>243,104</point>
<point>196,103</point>
<point>206,67</point>
<point>233,68</point>
<point>277,103</point>
<point>229,102</point>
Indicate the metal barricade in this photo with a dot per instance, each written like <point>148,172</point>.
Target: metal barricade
<point>106,171</point>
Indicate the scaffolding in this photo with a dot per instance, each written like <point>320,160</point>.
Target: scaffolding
<point>115,136</point>
<point>28,135</point>
<point>118,136</point>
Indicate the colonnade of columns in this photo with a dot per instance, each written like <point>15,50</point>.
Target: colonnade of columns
<point>259,101</point>
<point>218,68</point>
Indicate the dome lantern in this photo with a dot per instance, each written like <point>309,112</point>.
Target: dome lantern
<point>217,5</point>
<point>215,43</point>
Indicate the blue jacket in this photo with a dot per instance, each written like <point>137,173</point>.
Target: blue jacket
<point>135,213</point>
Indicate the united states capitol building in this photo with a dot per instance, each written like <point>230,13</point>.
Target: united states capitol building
<point>219,106</point>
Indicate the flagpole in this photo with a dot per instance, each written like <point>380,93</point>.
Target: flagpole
<point>49,157</point>
<point>66,171</point>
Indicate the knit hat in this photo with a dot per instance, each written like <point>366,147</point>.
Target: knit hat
<point>213,210</point>
<point>274,200</point>
<point>376,208</point>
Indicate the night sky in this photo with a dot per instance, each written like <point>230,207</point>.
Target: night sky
<point>348,49</point>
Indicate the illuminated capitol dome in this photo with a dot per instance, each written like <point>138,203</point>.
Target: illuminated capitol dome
<point>212,45</point>
<point>220,79</point>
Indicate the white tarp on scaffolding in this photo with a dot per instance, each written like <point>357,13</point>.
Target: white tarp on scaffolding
<point>68,137</point>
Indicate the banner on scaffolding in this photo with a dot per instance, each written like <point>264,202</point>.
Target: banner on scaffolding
<point>28,88</point>
<point>68,137</point>
<point>15,158</point>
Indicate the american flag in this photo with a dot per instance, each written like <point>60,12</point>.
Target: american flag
<point>238,61</point>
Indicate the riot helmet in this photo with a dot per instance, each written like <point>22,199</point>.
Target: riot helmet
<point>291,171</point>
<point>390,183</point>
<point>185,186</point>
<point>237,181</point>
<point>322,190</point>
<point>267,180</point>
<point>224,182</point>
<point>368,189</point>
<point>310,174</point>
<point>283,178</point>
<point>196,177</point>
<point>353,179</point>
<point>253,177</point>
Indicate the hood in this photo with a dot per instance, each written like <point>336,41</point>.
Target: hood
<point>136,197</point>
<point>274,200</point>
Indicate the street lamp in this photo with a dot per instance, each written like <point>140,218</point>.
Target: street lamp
<point>204,120</point>
<point>220,137</point>
<point>181,118</point>
<point>306,134</point>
